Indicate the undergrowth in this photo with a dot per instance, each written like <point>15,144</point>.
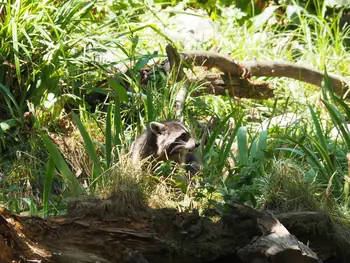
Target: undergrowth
<point>73,101</point>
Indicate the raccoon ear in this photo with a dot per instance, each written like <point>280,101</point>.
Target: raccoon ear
<point>157,127</point>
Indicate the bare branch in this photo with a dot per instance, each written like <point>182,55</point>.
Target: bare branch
<point>291,70</point>
<point>265,68</point>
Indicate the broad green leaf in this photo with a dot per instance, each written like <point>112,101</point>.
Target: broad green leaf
<point>253,151</point>
<point>242,145</point>
<point>262,145</point>
<point>143,61</point>
<point>121,91</point>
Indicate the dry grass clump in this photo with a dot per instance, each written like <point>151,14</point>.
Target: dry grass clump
<point>287,189</point>
<point>121,193</point>
<point>129,190</point>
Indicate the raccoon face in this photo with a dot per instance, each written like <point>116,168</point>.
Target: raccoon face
<point>173,140</point>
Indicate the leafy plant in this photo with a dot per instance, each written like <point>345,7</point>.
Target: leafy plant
<point>325,160</point>
<point>238,184</point>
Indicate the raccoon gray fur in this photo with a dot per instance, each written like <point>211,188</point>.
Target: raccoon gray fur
<point>167,140</point>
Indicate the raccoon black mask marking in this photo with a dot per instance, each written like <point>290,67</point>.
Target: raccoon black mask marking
<point>166,140</point>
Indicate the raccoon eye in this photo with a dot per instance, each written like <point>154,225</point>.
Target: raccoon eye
<point>184,137</point>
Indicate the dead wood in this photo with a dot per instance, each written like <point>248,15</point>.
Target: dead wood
<point>263,68</point>
<point>221,84</point>
<point>214,60</point>
<point>315,229</point>
<point>318,230</point>
<point>234,81</point>
<point>163,235</point>
<point>276,245</point>
<point>14,244</point>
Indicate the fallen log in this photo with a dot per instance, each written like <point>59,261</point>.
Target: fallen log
<point>165,235</point>
<point>221,84</point>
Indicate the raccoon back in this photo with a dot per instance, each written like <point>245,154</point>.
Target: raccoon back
<point>144,146</point>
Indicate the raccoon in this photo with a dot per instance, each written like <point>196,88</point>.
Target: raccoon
<point>167,140</point>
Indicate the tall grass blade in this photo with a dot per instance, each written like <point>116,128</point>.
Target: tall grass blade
<point>17,7</point>
<point>325,155</point>
<point>62,166</point>
<point>327,87</point>
<point>319,132</point>
<point>117,122</point>
<point>216,132</point>
<point>89,146</point>
<point>121,92</point>
<point>345,107</point>
<point>150,106</point>
<point>224,153</point>
<point>47,187</point>
<point>8,94</point>
<point>347,180</point>
<point>338,121</point>
<point>311,157</point>
<point>94,179</point>
<point>108,133</point>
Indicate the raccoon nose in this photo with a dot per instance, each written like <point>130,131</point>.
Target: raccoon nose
<point>196,144</point>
